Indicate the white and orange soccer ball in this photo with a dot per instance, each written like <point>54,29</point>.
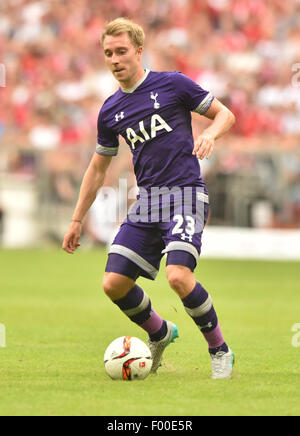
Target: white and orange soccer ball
<point>128,358</point>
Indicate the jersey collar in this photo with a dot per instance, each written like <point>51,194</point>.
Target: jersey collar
<point>131,90</point>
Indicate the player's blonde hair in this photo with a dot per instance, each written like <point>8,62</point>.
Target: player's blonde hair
<point>123,25</point>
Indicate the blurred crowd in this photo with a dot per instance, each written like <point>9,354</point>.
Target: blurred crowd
<point>243,51</point>
<point>247,53</point>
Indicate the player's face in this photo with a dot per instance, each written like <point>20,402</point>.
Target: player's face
<point>123,59</point>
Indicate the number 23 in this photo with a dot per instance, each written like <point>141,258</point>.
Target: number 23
<point>189,228</point>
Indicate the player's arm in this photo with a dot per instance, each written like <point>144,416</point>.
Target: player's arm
<point>222,120</point>
<point>91,183</point>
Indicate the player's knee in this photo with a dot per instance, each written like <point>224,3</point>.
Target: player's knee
<point>116,286</point>
<point>176,279</point>
<point>111,284</point>
<point>181,279</point>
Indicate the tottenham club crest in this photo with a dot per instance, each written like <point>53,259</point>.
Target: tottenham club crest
<point>154,97</point>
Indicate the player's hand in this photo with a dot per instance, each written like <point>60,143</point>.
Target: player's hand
<point>204,146</point>
<point>71,239</point>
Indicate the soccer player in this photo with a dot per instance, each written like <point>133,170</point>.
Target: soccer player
<point>152,111</point>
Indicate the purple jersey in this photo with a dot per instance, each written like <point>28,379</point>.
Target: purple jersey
<point>154,118</point>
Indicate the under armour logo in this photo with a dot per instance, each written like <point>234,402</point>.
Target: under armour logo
<point>207,326</point>
<point>119,116</point>
<point>154,97</point>
<point>189,237</point>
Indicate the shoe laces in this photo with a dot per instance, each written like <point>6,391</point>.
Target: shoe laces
<point>218,361</point>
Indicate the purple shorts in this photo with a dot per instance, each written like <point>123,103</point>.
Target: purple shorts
<point>157,227</point>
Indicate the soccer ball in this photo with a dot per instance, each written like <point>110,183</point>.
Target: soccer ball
<point>127,358</point>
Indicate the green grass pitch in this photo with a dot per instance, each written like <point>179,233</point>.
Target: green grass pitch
<point>59,323</point>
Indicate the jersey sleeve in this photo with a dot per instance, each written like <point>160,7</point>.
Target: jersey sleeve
<point>107,140</point>
<point>190,94</point>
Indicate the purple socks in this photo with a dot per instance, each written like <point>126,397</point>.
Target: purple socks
<point>137,306</point>
<point>198,304</point>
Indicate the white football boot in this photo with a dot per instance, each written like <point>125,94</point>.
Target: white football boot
<point>157,348</point>
<point>222,364</point>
